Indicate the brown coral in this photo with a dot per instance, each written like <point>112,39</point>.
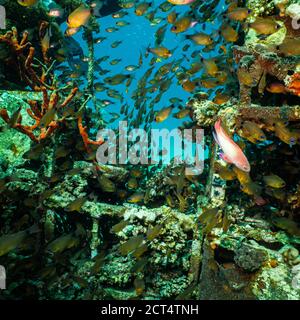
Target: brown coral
<point>254,63</point>
<point>85,137</point>
<point>22,55</point>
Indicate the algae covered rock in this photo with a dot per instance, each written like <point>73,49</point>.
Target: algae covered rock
<point>13,144</point>
<point>236,267</point>
<point>250,257</point>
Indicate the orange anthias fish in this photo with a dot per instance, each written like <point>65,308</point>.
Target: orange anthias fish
<point>232,152</point>
<point>181,2</point>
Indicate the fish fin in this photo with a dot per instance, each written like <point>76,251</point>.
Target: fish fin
<point>225,158</point>
<point>193,23</point>
<point>216,138</point>
<point>218,125</point>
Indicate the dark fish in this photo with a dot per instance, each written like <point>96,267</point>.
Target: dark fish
<point>131,244</point>
<point>76,204</point>
<point>119,226</point>
<point>140,265</point>
<point>138,252</point>
<point>154,232</point>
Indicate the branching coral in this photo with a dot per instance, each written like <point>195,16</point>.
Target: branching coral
<point>85,137</point>
<point>38,78</point>
<point>21,59</point>
<point>44,115</point>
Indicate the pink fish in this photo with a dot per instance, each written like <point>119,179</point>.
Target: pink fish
<point>232,153</point>
<point>181,2</point>
<point>260,201</point>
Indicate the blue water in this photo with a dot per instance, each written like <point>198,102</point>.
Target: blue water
<point>135,38</point>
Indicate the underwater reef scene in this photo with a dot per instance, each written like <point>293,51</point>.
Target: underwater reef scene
<point>74,74</point>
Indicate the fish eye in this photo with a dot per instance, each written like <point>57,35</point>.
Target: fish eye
<point>174,28</point>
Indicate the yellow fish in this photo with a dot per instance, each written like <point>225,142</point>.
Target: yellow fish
<point>182,25</point>
<point>27,3</point>
<point>200,39</point>
<point>189,85</point>
<point>79,17</point>
<point>142,8</point>
<point>182,114</point>
<point>132,183</point>
<point>136,173</point>
<point>290,47</point>
<point>276,87</point>
<point>278,194</point>
<point>238,14</point>
<point>172,17</point>
<point>71,31</point>
<point>287,224</point>
<point>106,184</point>
<point>131,244</point>
<point>76,204</point>
<point>229,34</point>
<point>284,134</point>
<point>251,188</point>
<point>139,286</point>
<point>252,132</point>
<point>210,83</point>
<point>45,42</point>
<point>127,4</point>
<point>274,181</point>
<point>224,172</point>
<point>62,243</point>
<point>136,197</point>
<point>264,26</point>
<point>221,98</point>
<point>9,242</point>
<point>161,52</point>
<point>163,114</point>
<point>154,232</point>
<point>242,176</point>
<point>211,67</point>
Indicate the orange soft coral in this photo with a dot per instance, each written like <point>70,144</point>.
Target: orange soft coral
<point>22,55</point>
<point>294,84</point>
<point>38,112</point>
<point>45,114</point>
<point>84,135</point>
